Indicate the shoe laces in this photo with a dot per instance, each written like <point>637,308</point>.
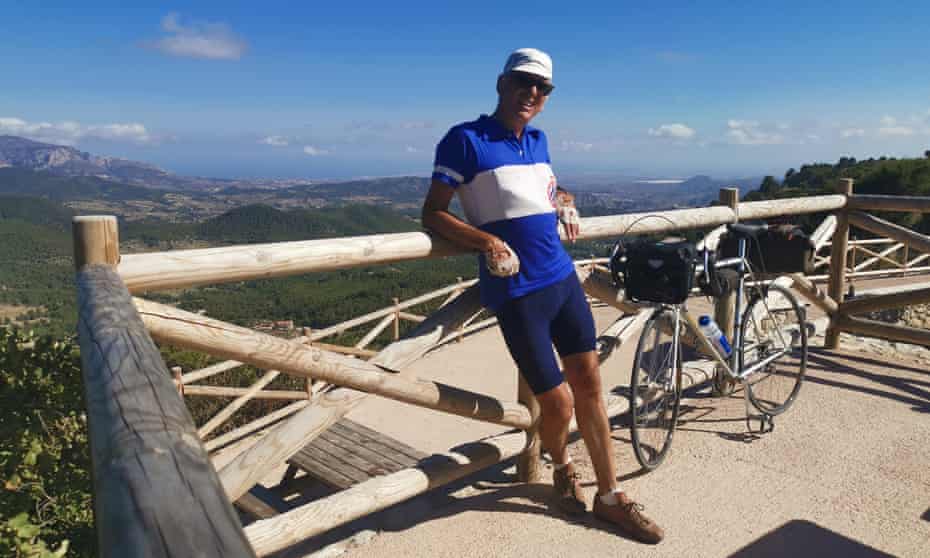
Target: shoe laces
<point>634,510</point>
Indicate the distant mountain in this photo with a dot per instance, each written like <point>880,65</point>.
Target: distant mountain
<point>67,161</point>
<point>262,223</point>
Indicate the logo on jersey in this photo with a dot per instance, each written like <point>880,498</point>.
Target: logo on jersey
<point>551,191</point>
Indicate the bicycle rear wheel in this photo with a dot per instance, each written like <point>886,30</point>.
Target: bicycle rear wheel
<point>774,340</point>
<point>655,390</point>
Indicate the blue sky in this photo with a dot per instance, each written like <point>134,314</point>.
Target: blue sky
<point>360,89</point>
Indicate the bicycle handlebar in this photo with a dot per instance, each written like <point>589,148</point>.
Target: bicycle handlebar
<point>746,231</point>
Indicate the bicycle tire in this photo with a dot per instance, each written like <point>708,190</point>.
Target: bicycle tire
<point>775,388</point>
<point>652,424</point>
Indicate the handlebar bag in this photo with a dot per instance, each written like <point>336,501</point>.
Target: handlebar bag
<point>660,272</point>
<point>781,249</point>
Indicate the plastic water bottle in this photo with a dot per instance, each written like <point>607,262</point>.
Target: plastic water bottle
<point>713,334</point>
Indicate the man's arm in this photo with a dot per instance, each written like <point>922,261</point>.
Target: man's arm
<point>436,217</point>
<point>568,215</point>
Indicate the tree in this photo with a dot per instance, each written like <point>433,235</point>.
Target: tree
<point>927,154</point>
<point>769,186</point>
<point>45,502</point>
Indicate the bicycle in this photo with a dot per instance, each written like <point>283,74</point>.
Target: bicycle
<point>768,357</point>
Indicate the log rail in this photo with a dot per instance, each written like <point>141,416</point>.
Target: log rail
<point>139,427</point>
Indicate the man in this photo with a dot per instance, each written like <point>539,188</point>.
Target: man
<point>500,168</point>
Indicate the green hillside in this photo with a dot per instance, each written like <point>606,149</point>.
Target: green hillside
<point>888,176</point>
<point>262,223</point>
<point>24,182</point>
<point>36,268</point>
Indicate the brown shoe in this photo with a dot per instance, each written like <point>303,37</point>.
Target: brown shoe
<point>628,516</point>
<point>567,491</point>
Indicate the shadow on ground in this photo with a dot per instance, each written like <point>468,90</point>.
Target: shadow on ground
<point>804,538</point>
<point>498,492</point>
<point>826,363</point>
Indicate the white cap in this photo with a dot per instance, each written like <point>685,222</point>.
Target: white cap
<point>531,61</point>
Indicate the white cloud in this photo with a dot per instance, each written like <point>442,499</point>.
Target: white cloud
<point>890,131</point>
<point>750,132</point>
<point>69,132</point>
<point>575,146</point>
<point>888,121</point>
<point>852,133</point>
<point>315,151</point>
<point>674,131</point>
<point>211,41</point>
<point>275,141</point>
<point>412,149</point>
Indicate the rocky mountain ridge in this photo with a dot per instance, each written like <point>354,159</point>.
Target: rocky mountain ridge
<point>69,161</point>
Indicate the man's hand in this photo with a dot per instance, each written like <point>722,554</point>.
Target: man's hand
<point>501,260</point>
<point>568,214</point>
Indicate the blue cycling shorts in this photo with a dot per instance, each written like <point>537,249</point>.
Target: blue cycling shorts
<point>531,324</point>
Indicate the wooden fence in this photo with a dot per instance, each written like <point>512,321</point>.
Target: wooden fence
<point>135,413</point>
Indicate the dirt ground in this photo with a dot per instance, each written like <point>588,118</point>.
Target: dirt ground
<point>845,472</point>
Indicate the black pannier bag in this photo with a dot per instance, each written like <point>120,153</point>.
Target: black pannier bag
<point>780,249</point>
<point>655,271</point>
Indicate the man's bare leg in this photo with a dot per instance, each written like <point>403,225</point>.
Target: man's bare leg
<point>582,374</point>
<point>556,407</point>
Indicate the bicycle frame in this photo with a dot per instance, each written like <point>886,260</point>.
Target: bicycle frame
<point>733,368</point>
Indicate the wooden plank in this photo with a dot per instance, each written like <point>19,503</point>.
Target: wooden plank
<point>907,204</point>
<point>395,449</point>
<point>322,467</point>
<point>811,292</point>
<point>351,460</point>
<point>352,437</point>
<point>223,391</point>
<point>285,439</point>
<point>862,304</point>
<point>388,310</point>
<point>886,228</point>
<point>155,490</point>
<point>193,331</point>
<point>881,330</point>
<point>367,453</point>
<point>220,417</point>
<point>375,331</point>
<point>211,370</point>
<point>255,425</point>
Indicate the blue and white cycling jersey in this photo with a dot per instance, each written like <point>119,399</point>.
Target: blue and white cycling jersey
<point>507,188</point>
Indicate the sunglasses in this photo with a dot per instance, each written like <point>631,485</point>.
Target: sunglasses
<point>525,81</point>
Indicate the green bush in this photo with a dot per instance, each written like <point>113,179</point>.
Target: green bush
<point>46,507</point>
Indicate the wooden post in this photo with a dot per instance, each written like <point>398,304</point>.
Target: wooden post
<point>528,464</point>
<point>838,263</point>
<point>155,491</point>
<point>396,318</point>
<point>96,240</point>
<point>724,313</point>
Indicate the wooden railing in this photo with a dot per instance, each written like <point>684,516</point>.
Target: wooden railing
<point>355,371</point>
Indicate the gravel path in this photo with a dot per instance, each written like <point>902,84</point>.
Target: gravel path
<point>844,473</point>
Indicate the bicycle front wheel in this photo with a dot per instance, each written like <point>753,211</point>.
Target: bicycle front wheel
<point>655,390</point>
<point>774,349</point>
